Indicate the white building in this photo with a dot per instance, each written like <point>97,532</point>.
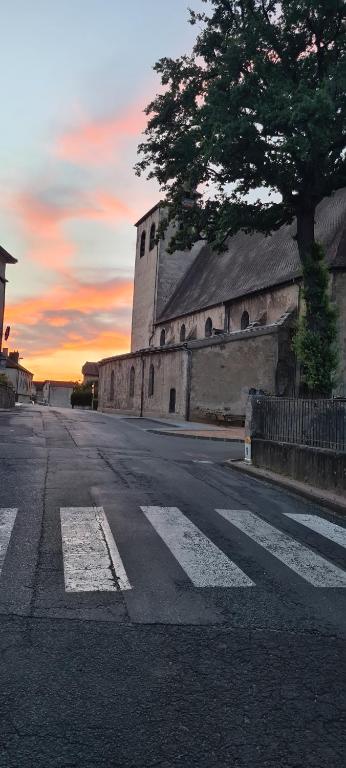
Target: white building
<point>19,377</point>
<point>58,393</point>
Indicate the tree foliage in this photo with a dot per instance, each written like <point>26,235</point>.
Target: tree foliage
<point>82,395</point>
<point>315,340</point>
<point>259,103</point>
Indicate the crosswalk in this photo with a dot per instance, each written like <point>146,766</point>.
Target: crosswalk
<point>92,561</point>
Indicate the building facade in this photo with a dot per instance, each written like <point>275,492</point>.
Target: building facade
<point>19,377</point>
<point>5,258</point>
<point>208,327</point>
<point>90,372</point>
<point>57,393</point>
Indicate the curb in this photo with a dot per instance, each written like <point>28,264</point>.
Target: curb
<point>337,504</point>
<point>196,437</point>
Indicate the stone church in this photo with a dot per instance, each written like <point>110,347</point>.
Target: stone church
<point>207,327</point>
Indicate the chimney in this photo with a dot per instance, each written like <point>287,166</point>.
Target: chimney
<point>5,351</point>
<point>14,356</point>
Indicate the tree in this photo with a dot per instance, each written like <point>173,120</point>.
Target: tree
<point>82,395</point>
<point>259,103</point>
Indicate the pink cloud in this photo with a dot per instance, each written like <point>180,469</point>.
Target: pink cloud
<point>42,223</point>
<point>95,142</point>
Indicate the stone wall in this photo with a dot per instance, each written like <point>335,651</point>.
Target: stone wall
<point>267,306</point>
<point>7,396</point>
<point>157,274</point>
<point>223,372</point>
<point>315,466</point>
<point>144,287</point>
<point>170,372</point>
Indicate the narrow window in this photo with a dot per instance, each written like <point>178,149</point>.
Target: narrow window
<point>182,333</point>
<point>208,327</point>
<point>111,388</point>
<point>245,320</point>
<point>152,237</point>
<point>132,382</point>
<point>162,338</point>
<point>142,248</point>
<point>227,318</point>
<point>151,381</point>
<point>172,400</point>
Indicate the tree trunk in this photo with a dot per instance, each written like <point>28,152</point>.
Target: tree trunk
<point>305,232</point>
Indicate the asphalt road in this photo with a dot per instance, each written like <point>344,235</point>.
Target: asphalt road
<point>140,627</point>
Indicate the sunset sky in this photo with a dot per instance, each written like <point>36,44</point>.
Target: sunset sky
<point>75,76</point>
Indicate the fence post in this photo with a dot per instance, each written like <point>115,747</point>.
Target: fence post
<point>249,417</point>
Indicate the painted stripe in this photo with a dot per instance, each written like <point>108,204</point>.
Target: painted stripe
<point>202,561</point>
<point>306,563</point>
<point>7,520</point>
<point>331,531</point>
<point>92,562</point>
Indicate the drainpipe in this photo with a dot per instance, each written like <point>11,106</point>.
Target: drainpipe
<point>188,383</point>
<point>142,387</point>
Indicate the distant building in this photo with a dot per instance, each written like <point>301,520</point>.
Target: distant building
<point>37,391</point>
<point>58,393</point>
<point>19,377</point>
<point>90,373</point>
<point>5,258</point>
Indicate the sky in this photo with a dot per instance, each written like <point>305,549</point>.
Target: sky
<point>75,76</point>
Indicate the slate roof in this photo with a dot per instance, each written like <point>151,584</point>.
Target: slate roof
<point>6,257</point>
<point>10,363</point>
<point>90,369</point>
<point>255,262</point>
<point>67,384</point>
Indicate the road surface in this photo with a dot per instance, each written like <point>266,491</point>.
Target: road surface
<point>159,609</point>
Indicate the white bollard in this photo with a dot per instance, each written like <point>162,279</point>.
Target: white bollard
<point>247,446</point>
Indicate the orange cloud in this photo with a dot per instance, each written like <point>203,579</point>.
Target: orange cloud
<point>96,141</point>
<point>43,222</point>
<point>58,322</point>
<point>72,295</point>
<point>62,328</point>
<point>66,362</point>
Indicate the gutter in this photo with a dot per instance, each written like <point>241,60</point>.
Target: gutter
<point>188,384</point>
<point>142,388</point>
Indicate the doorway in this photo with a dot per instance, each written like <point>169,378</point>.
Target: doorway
<point>172,400</point>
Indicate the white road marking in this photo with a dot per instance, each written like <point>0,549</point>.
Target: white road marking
<point>202,461</point>
<point>7,520</point>
<point>92,562</point>
<point>306,563</point>
<point>329,530</point>
<point>202,561</point>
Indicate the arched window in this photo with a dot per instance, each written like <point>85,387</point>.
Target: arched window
<point>162,338</point>
<point>111,387</point>
<point>132,381</point>
<point>245,320</point>
<point>151,381</point>
<point>208,327</point>
<point>152,237</point>
<point>182,332</point>
<point>142,248</point>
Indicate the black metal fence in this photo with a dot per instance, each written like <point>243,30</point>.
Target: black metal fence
<point>316,423</point>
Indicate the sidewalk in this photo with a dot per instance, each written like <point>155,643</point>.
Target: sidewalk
<point>199,431</point>
<point>321,496</point>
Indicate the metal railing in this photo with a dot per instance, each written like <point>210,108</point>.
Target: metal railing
<point>316,423</point>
